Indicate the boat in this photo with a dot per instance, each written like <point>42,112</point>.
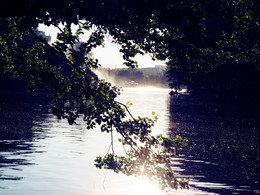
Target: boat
<point>130,84</point>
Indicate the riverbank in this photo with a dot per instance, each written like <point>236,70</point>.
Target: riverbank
<point>223,143</point>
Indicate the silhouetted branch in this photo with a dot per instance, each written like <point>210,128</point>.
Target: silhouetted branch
<point>59,53</point>
<point>126,109</point>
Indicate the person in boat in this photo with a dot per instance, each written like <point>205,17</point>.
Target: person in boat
<point>173,92</point>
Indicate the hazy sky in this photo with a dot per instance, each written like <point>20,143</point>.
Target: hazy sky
<point>109,56</point>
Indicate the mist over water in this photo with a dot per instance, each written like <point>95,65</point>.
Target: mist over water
<point>106,77</point>
<point>138,77</point>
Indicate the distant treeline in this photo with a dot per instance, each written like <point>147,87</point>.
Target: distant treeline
<point>141,76</point>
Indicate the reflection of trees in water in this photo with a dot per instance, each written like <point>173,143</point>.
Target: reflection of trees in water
<point>12,156</point>
<point>18,114</point>
<point>223,144</point>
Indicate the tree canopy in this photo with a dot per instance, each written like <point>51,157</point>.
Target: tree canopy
<point>194,37</point>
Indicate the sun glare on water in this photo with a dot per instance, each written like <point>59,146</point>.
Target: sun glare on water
<point>148,88</point>
<point>143,187</point>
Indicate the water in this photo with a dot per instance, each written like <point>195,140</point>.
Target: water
<point>48,156</point>
<point>223,155</point>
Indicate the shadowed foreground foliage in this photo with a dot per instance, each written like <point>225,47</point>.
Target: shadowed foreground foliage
<point>182,32</point>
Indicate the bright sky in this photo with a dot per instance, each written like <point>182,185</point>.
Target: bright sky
<point>109,56</point>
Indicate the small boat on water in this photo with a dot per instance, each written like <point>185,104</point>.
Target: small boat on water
<point>131,84</point>
<point>172,93</point>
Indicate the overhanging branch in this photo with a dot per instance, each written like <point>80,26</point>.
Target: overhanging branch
<point>59,53</point>
<point>126,109</point>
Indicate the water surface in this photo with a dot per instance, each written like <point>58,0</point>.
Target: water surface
<point>42,155</point>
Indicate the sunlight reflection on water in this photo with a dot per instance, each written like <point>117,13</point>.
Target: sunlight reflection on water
<point>61,157</point>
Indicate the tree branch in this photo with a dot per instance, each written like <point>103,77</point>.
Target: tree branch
<point>126,109</point>
<point>59,53</point>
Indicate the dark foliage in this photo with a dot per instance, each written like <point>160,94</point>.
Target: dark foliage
<point>197,38</point>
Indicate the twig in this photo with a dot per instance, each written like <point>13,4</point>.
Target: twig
<point>108,149</point>
<point>126,109</point>
<point>57,26</point>
<point>123,145</point>
<point>112,141</point>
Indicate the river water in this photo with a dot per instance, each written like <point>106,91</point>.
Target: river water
<point>42,155</point>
